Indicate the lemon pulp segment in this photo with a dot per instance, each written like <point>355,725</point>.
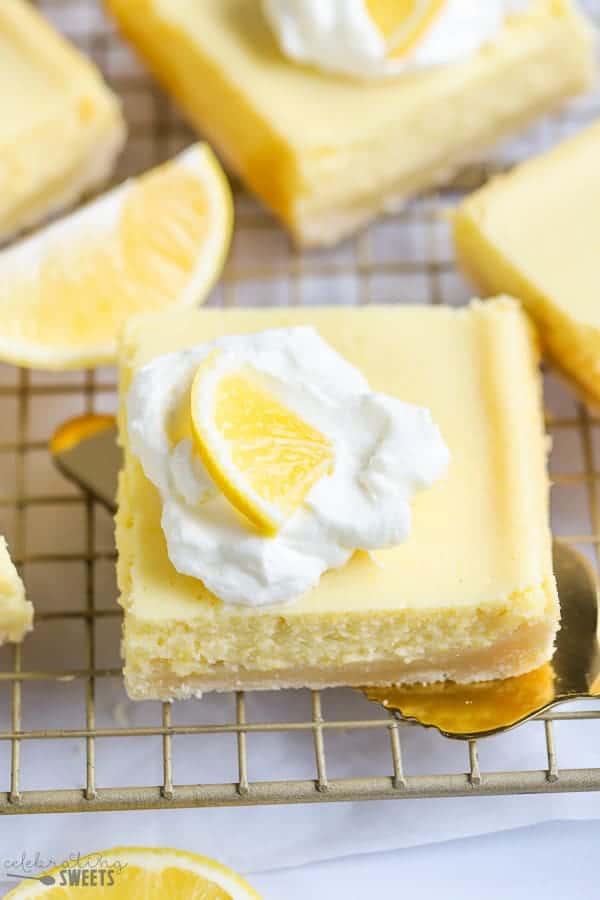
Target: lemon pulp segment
<point>157,241</point>
<point>403,22</point>
<point>262,455</point>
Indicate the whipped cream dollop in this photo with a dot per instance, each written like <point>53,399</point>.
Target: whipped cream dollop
<point>341,36</point>
<point>385,451</point>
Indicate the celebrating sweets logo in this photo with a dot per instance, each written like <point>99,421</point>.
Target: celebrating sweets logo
<point>75,871</point>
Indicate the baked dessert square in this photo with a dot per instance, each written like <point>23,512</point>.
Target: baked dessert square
<point>469,596</point>
<point>328,153</point>
<point>16,613</point>
<point>534,233</point>
<point>61,125</point>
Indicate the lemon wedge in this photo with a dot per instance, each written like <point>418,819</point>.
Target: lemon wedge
<point>403,22</point>
<point>127,872</point>
<point>260,454</point>
<point>157,241</point>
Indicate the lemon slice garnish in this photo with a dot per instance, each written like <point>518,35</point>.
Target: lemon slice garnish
<point>127,872</point>
<point>403,22</point>
<point>159,241</point>
<point>262,455</point>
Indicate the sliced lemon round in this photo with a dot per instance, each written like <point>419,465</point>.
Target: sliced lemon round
<point>127,872</point>
<point>262,455</point>
<point>403,22</point>
<point>157,241</point>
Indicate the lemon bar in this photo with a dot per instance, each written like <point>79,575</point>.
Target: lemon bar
<point>61,126</point>
<point>535,233</point>
<point>16,613</point>
<point>469,596</point>
<point>328,153</point>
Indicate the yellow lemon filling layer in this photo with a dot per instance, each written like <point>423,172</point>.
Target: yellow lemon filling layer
<point>61,125</point>
<point>536,234</point>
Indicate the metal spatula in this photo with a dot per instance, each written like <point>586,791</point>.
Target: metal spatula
<point>85,450</point>
<point>490,707</point>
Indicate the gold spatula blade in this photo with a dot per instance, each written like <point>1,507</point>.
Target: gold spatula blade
<point>485,708</point>
<point>85,450</point>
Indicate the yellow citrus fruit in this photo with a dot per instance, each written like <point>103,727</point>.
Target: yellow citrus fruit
<point>261,454</point>
<point>137,872</point>
<point>157,241</point>
<point>403,22</point>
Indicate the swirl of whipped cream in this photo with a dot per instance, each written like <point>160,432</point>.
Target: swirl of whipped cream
<point>341,36</point>
<point>385,451</point>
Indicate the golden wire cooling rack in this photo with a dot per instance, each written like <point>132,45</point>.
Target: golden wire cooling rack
<point>65,725</point>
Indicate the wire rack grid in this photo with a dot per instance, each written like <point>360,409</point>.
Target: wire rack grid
<point>62,688</point>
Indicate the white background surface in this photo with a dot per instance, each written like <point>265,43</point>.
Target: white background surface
<point>556,862</point>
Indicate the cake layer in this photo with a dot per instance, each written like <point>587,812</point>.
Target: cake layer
<point>16,613</point>
<point>527,648</point>
<point>61,126</point>
<point>534,233</point>
<point>474,577</point>
<point>327,153</point>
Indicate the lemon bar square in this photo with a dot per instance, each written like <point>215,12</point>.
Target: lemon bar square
<point>471,594</point>
<point>61,126</point>
<point>536,234</point>
<point>16,613</point>
<point>327,153</point>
